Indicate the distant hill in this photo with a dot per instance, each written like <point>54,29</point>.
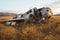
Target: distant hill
<point>7,14</point>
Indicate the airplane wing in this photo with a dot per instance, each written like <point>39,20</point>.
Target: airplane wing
<point>17,19</point>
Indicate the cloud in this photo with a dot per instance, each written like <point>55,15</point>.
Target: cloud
<point>55,7</point>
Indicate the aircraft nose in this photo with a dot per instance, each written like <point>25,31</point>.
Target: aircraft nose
<point>49,13</point>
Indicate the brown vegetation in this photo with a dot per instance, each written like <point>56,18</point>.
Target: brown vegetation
<point>6,17</point>
<point>27,31</point>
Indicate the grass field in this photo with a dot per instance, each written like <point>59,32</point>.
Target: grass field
<point>49,31</point>
<point>6,17</point>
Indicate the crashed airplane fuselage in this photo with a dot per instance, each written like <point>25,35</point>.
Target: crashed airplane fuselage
<point>33,15</point>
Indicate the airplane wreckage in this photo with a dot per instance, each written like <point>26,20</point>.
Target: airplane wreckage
<point>36,16</point>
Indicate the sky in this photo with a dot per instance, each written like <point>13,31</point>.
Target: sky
<point>55,7</point>
<point>23,5</point>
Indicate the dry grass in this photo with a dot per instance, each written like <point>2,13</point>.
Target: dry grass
<point>49,31</point>
<point>6,17</point>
